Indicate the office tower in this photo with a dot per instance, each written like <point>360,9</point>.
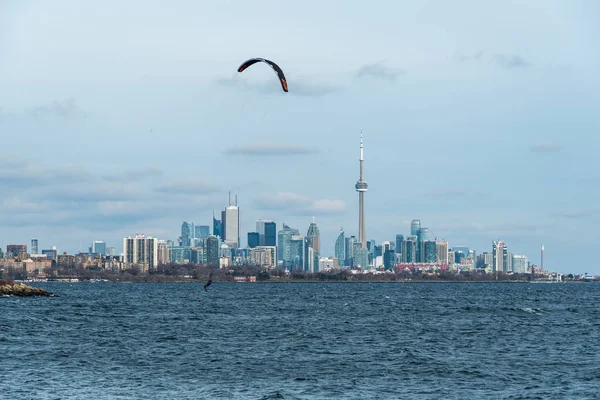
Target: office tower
<point>253,239</point>
<point>34,246</point>
<point>399,240</point>
<point>361,187</point>
<point>261,227</point>
<point>231,224</point>
<point>186,233</point>
<point>217,227</point>
<point>99,248</point>
<point>283,247</point>
<point>313,237</point>
<point>270,234</point>
<point>201,231</point>
<point>415,225</point>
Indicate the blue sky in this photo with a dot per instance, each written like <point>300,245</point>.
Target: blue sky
<point>479,118</point>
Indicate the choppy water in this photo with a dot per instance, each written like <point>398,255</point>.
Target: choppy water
<point>302,341</point>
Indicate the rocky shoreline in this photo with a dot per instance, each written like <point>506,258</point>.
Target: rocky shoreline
<point>10,288</point>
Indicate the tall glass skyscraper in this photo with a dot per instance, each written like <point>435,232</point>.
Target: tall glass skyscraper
<point>340,248</point>
<point>415,225</point>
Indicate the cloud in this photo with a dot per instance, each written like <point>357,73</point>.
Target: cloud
<point>295,204</point>
<point>297,87</point>
<point>577,213</point>
<point>19,174</point>
<point>187,187</point>
<point>545,148</point>
<point>39,196</point>
<point>60,108</point>
<point>271,149</point>
<point>378,71</point>
<point>133,175</point>
<point>453,193</point>
<point>510,61</point>
<point>464,57</point>
<point>503,60</point>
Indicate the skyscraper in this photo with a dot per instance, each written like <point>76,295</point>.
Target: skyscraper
<point>340,248</point>
<point>231,224</point>
<point>313,237</point>
<point>99,248</point>
<point>201,231</point>
<point>270,234</point>
<point>217,227</point>
<point>34,246</point>
<point>141,250</point>
<point>415,225</point>
<point>361,187</point>
<point>261,227</point>
<point>212,250</point>
<point>283,248</point>
<point>253,239</point>
<point>500,253</point>
<point>186,233</point>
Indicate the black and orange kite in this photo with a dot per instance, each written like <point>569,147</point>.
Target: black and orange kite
<point>275,67</point>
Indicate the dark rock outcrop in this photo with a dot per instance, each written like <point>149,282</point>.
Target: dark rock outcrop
<point>9,288</point>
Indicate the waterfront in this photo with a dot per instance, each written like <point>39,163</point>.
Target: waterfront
<point>293,341</point>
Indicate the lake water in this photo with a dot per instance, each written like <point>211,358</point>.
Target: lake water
<point>302,341</point>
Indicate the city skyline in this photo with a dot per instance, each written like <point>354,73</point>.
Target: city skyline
<point>485,136</point>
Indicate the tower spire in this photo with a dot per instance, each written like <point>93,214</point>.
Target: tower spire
<point>361,187</point>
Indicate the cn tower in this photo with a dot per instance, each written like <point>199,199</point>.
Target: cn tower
<point>361,188</point>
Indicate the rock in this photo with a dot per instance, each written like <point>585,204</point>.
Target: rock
<point>9,288</point>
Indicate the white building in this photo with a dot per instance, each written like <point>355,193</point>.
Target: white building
<point>141,250</point>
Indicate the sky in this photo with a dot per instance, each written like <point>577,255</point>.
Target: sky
<point>479,118</point>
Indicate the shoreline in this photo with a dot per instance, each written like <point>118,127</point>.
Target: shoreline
<point>282,281</point>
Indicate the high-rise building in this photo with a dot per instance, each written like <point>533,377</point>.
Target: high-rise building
<point>340,247</point>
<point>99,248</point>
<point>361,257</point>
<point>261,228</point>
<point>141,250</point>
<point>253,239</point>
<point>409,249</point>
<point>415,225</point>
<point>500,253</point>
<point>212,250</point>
<point>34,246</point>
<point>186,233</point>
<point>298,253</point>
<point>283,247</point>
<point>217,227</point>
<point>162,251</point>
<point>231,224</point>
<point>429,251</point>
<point>313,237</point>
<point>349,249</point>
<point>13,250</point>
<point>399,240</point>
<point>361,187</point>
<point>270,234</point>
<point>519,264</point>
<point>442,252</point>
<point>201,231</point>
<point>389,259</point>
